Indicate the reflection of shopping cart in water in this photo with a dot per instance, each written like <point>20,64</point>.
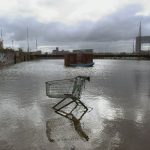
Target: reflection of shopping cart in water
<point>70,91</point>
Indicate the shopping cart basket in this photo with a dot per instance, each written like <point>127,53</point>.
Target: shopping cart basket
<point>69,90</point>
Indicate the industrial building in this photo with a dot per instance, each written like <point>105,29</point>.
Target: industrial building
<point>59,52</point>
<point>141,40</point>
<point>83,51</point>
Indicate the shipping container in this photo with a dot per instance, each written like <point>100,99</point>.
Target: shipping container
<point>78,59</point>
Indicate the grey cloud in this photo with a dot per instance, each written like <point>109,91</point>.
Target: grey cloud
<point>51,2</point>
<point>119,26</point>
<point>122,25</point>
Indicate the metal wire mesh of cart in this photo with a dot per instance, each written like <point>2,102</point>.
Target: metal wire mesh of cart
<point>66,88</point>
<point>59,88</point>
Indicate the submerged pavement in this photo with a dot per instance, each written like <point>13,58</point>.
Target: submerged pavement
<point>117,95</point>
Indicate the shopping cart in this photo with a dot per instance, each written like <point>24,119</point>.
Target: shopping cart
<point>69,90</point>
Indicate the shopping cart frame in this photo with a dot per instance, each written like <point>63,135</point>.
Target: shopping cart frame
<point>74,95</point>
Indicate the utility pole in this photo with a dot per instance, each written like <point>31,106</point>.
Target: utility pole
<point>12,44</point>
<point>1,34</point>
<point>140,32</point>
<point>133,47</point>
<point>1,40</point>
<point>36,44</point>
<point>28,48</point>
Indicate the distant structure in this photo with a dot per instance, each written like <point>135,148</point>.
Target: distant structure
<point>36,44</point>
<point>133,47</point>
<point>140,40</point>
<point>1,41</point>
<point>36,53</point>
<point>28,46</point>
<point>58,52</point>
<point>1,44</point>
<point>83,51</point>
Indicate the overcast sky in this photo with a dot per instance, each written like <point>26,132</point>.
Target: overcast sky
<point>104,25</point>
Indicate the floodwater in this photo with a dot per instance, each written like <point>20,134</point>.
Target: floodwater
<point>117,97</point>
